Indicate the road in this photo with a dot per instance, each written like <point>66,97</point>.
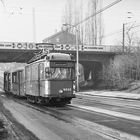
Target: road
<point>87,118</point>
<point>121,114</point>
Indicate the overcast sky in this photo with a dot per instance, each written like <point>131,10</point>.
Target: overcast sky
<point>117,15</point>
<point>16,19</point>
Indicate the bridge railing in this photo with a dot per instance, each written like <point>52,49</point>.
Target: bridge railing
<point>17,45</point>
<point>101,48</point>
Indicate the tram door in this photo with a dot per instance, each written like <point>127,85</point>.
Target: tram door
<point>21,83</point>
<point>7,82</point>
<point>41,85</point>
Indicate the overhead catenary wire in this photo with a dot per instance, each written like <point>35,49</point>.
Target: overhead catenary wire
<point>101,10</point>
<point>3,4</point>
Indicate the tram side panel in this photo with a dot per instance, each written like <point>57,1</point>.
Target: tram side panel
<point>34,80</point>
<point>27,79</point>
<point>31,78</point>
<point>22,83</point>
<point>43,84</point>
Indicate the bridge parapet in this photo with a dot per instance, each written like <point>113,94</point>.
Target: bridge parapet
<point>24,51</point>
<point>86,48</point>
<point>17,45</point>
<point>62,47</point>
<point>66,47</point>
<point>101,48</point>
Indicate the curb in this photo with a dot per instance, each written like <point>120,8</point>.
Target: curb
<point>121,97</point>
<point>106,132</point>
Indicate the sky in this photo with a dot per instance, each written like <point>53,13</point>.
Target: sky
<point>17,19</point>
<point>16,24</point>
<point>114,18</point>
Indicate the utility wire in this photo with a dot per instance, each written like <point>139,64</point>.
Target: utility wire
<point>120,31</point>
<point>3,5</point>
<point>113,33</point>
<point>101,10</point>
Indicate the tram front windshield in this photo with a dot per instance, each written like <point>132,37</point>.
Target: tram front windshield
<point>60,73</point>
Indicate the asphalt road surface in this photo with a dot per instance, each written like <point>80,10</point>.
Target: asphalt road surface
<point>49,125</point>
<point>87,118</point>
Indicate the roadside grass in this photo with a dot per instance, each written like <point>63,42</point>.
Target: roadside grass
<point>3,131</point>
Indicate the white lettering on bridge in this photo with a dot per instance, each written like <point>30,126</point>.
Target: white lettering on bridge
<point>17,45</point>
<point>47,46</point>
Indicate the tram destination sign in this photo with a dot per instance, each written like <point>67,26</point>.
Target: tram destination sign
<point>17,45</point>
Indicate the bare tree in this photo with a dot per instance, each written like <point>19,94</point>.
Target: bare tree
<point>68,13</point>
<point>130,37</point>
<point>90,32</point>
<point>94,27</point>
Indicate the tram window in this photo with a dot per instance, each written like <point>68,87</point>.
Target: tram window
<point>7,78</point>
<point>47,73</point>
<point>14,78</point>
<point>59,73</point>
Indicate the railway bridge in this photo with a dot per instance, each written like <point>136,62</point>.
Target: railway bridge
<point>91,58</point>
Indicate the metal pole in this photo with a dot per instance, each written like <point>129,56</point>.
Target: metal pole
<point>34,25</point>
<point>123,37</point>
<point>77,61</point>
<point>77,56</point>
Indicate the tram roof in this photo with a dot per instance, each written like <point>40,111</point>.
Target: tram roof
<point>59,56</point>
<point>51,56</point>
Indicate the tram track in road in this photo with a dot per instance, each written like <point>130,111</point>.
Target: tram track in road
<point>112,100</point>
<point>99,123</point>
<point>112,104</point>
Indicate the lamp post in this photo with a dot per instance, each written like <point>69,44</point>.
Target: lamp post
<point>123,37</point>
<point>34,25</point>
<point>77,55</point>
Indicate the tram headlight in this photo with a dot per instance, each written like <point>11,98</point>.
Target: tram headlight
<point>61,91</point>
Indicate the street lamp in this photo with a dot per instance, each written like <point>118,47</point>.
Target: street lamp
<point>123,37</point>
<point>77,55</point>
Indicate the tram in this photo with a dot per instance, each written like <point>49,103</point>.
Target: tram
<point>46,78</point>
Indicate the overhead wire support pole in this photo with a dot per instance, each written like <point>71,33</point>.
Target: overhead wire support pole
<point>77,55</point>
<point>123,41</point>
<point>34,25</point>
<point>77,58</point>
